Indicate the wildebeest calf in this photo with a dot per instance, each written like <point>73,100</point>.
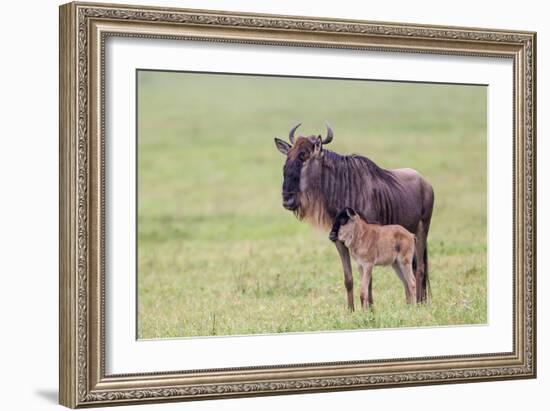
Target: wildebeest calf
<point>374,244</point>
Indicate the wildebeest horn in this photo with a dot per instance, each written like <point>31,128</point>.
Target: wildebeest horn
<point>292,131</point>
<point>330,135</point>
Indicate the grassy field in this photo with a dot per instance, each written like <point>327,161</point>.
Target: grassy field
<point>219,255</point>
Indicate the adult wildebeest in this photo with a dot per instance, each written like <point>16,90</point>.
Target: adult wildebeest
<point>318,183</point>
<point>372,244</point>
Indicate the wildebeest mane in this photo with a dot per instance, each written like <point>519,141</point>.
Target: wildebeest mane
<point>352,181</point>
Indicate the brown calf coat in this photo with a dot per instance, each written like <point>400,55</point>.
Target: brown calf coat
<point>377,245</point>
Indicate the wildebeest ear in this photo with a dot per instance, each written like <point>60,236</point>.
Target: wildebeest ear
<point>282,146</point>
<point>350,212</point>
<point>318,145</point>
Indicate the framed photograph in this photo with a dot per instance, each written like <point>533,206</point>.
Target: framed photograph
<point>260,204</point>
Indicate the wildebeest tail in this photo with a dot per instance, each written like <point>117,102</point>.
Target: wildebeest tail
<point>426,289</point>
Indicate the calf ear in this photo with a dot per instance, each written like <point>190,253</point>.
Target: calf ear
<point>350,212</point>
<point>282,146</point>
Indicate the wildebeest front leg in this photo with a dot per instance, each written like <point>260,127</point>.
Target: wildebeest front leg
<point>348,274</point>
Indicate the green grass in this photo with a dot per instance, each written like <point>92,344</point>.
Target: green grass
<point>218,254</point>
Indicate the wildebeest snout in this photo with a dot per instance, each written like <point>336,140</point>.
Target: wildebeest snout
<point>290,201</point>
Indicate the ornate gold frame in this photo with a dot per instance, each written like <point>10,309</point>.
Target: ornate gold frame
<point>83,30</point>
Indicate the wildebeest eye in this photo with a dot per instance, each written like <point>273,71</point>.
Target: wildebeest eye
<point>302,156</point>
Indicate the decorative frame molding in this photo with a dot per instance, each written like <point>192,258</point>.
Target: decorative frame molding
<point>83,30</point>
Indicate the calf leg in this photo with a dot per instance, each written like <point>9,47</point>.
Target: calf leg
<point>401,276</point>
<point>348,274</point>
<point>409,279</point>
<point>371,300</point>
<point>366,285</point>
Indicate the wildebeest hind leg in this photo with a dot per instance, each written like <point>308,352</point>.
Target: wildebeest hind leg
<point>348,274</point>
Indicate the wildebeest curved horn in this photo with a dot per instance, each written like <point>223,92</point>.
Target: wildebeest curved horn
<point>292,131</point>
<point>330,135</point>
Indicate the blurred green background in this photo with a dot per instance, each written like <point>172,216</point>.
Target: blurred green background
<point>219,255</point>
